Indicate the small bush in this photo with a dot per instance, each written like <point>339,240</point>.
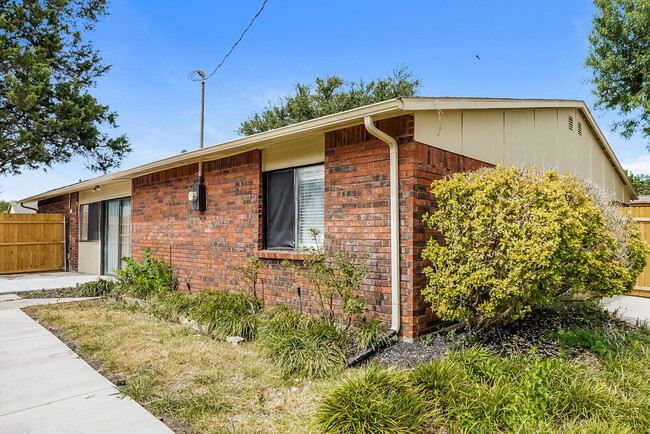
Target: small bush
<point>96,288</point>
<point>170,306</point>
<point>370,334</point>
<point>584,338</point>
<point>147,278</point>
<point>518,238</point>
<point>225,314</point>
<point>301,346</point>
<point>377,400</point>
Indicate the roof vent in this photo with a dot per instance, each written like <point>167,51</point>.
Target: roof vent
<point>579,128</point>
<point>571,123</point>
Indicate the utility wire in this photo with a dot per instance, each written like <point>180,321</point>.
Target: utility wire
<point>195,76</point>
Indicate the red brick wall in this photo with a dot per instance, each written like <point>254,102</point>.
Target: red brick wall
<point>420,164</point>
<point>357,206</point>
<point>67,205</point>
<point>204,248</point>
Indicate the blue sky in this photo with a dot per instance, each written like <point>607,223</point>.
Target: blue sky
<point>527,50</point>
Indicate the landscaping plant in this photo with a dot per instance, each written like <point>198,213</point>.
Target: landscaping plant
<point>302,346</point>
<point>517,238</point>
<point>376,400</point>
<point>251,275</point>
<point>224,314</point>
<point>370,334</point>
<point>218,313</point>
<point>96,288</point>
<point>146,278</point>
<point>335,274</point>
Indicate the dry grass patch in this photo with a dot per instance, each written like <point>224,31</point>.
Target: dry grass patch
<point>168,368</point>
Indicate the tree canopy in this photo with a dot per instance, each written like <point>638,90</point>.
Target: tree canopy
<point>47,68</point>
<point>619,59</point>
<point>330,95</point>
<point>640,182</point>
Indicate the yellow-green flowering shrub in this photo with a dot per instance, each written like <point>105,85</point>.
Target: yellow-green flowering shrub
<point>517,238</point>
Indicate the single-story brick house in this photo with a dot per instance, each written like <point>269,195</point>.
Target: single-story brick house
<point>361,177</point>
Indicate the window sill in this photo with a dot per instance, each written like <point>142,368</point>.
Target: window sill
<point>281,254</point>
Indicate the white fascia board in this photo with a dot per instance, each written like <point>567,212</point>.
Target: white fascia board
<point>255,141</point>
<point>447,103</point>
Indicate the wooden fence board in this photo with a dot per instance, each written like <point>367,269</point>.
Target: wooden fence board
<point>31,243</point>
<point>641,214</point>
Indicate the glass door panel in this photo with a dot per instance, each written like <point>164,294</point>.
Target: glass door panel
<point>125,230</point>
<point>111,236</point>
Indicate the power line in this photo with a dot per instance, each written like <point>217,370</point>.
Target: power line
<point>194,76</point>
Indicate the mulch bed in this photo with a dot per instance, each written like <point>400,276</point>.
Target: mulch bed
<point>529,335</point>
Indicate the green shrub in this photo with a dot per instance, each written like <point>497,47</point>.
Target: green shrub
<point>96,288</point>
<point>370,334</point>
<point>146,278</point>
<point>376,400</point>
<point>170,305</point>
<point>251,275</point>
<point>517,238</point>
<point>225,314</point>
<point>584,338</point>
<point>475,391</point>
<point>334,274</point>
<point>302,346</point>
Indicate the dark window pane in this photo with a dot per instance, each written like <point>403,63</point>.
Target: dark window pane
<point>93,221</point>
<point>280,210</point>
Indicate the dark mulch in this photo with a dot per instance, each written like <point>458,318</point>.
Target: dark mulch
<point>408,354</point>
<point>532,334</point>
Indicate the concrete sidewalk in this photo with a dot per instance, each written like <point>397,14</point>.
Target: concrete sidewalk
<point>28,282</point>
<point>46,388</point>
<point>629,308</point>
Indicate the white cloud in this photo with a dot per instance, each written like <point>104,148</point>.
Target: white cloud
<point>638,164</point>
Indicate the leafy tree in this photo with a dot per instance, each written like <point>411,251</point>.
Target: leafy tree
<point>4,206</point>
<point>330,95</point>
<point>619,59</point>
<point>640,182</point>
<point>519,238</point>
<point>46,70</point>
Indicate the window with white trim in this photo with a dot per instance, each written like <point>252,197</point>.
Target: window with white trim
<point>293,204</point>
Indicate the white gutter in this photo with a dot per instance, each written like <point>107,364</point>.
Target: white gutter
<point>394,222</point>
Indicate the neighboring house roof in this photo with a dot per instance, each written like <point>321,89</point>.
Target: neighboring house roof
<point>315,127</point>
<point>16,207</point>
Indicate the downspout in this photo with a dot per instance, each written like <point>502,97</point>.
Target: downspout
<point>394,223</point>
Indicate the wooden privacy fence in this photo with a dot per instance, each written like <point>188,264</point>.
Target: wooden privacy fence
<point>32,242</point>
<point>641,214</point>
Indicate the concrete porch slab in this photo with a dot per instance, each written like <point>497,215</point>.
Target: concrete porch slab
<point>29,282</point>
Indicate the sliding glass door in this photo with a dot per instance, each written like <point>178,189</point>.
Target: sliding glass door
<point>117,234</point>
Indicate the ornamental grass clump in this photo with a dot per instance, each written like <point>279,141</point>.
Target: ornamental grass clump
<point>302,346</point>
<point>375,400</point>
<point>97,288</point>
<point>515,239</point>
<point>223,314</point>
<point>473,390</point>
